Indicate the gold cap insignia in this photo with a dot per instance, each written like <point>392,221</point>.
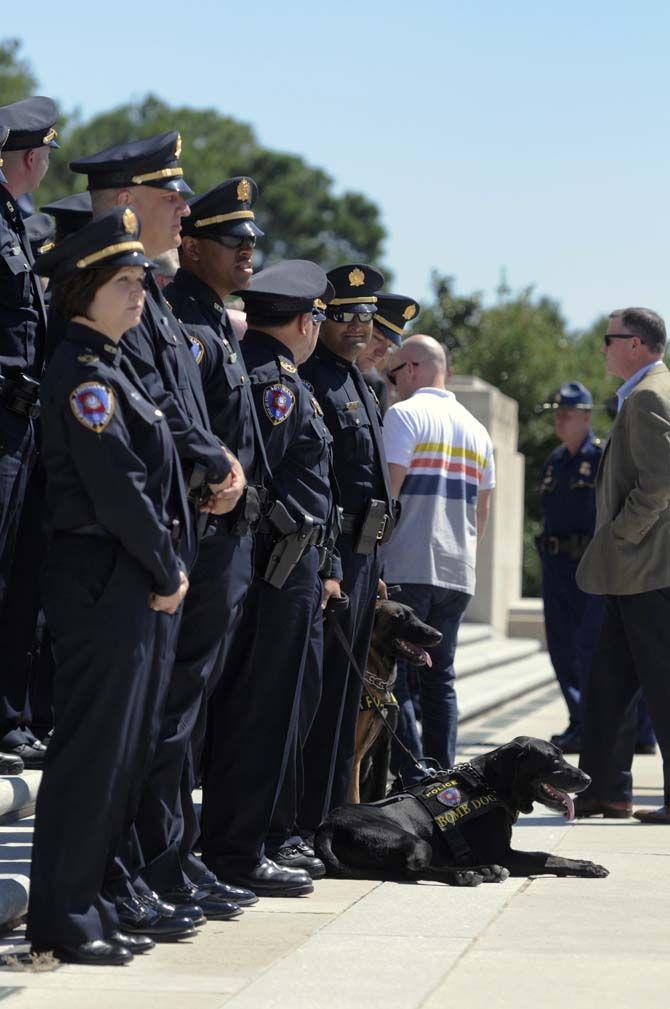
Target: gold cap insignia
<point>177,150</point>
<point>51,135</point>
<point>356,278</point>
<point>129,221</point>
<point>243,190</point>
<point>321,305</point>
<point>47,247</point>
<point>409,313</point>
<point>288,366</point>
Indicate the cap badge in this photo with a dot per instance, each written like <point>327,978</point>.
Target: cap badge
<point>409,313</point>
<point>243,190</point>
<point>177,150</point>
<point>129,221</point>
<point>356,278</point>
<point>51,135</point>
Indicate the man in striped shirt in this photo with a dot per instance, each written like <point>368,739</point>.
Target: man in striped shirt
<point>442,469</point>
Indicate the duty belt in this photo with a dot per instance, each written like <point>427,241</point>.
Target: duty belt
<point>370,528</point>
<point>572,544</point>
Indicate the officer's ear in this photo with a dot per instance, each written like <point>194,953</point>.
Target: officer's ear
<point>123,198</point>
<point>304,322</point>
<point>190,248</point>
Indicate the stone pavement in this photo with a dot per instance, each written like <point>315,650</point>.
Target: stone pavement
<point>355,944</point>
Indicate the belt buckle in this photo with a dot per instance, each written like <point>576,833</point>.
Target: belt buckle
<point>382,528</point>
<point>553,545</point>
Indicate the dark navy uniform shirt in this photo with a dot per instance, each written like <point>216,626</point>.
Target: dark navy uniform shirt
<point>224,375</point>
<point>297,441</point>
<point>567,489</point>
<point>109,456</point>
<point>22,312</point>
<point>161,354</point>
<point>354,421</point>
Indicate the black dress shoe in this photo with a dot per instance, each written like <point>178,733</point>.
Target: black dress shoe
<point>96,953</point>
<point>292,856</point>
<point>168,910</point>
<point>137,917</point>
<point>11,764</point>
<point>648,749</point>
<point>270,880</point>
<point>215,907</point>
<point>32,755</point>
<point>237,894</point>
<point>135,943</point>
<point>571,742</point>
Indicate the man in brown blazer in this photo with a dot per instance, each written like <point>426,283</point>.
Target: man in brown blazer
<point>628,562</point>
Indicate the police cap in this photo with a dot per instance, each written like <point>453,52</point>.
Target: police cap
<point>287,288</point>
<point>571,394</point>
<point>4,133</point>
<point>110,240</point>
<point>71,213</point>
<point>31,123</point>
<point>224,210</point>
<point>394,311</point>
<point>153,161</point>
<point>356,286</point>
<point>40,230</point>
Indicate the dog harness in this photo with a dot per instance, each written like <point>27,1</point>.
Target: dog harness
<point>382,687</point>
<point>453,798</point>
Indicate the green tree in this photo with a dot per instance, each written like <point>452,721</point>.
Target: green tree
<point>16,77</point>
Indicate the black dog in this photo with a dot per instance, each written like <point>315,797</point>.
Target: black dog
<point>457,827</point>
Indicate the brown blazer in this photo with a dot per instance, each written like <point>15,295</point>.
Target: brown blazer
<point>630,551</point>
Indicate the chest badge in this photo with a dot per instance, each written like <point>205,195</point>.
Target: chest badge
<point>352,404</point>
<point>585,469</point>
<point>278,403</point>
<point>197,348</point>
<point>93,405</point>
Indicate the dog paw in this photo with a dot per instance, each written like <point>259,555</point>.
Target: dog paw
<point>591,870</point>
<point>493,873</point>
<point>466,877</point>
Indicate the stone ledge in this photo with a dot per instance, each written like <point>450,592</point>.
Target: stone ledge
<point>17,796</point>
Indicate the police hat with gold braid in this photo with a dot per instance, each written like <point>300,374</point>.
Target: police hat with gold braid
<point>394,311</point>
<point>356,287</point>
<point>40,230</point>
<point>150,162</point>
<point>224,210</point>
<point>4,133</point>
<point>110,240</point>
<point>70,213</point>
<point>287,288</point>
<point>572,395</point>
<point>31,123</point>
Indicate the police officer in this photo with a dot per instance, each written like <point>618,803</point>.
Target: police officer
<point>148,174</point>
<point>113,584</point>
<point>22,336</point>
<point>70,213</point>
<point>393,313</point>
<point>361,472</point>
<point>254,729</point>
<point>216,256</point>
<point>567,496</point>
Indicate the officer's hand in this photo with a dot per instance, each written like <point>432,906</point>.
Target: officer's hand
<point>226,495</point>
<point>170,604</point>
<point>382,591</point>
<point>331,587</point>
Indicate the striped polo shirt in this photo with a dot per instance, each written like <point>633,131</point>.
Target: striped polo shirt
<point>449,457</point>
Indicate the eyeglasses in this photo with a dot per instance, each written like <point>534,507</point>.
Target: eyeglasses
<point>317,315</point>
<point>236,241</point>
<point>608,337</point>
<point>392,372</point>
<point>342,316</point>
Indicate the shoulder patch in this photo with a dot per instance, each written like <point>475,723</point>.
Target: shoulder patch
<point>288,366</point>
<point>278,402</point>
<point>93,405</point>
<point>197,348</point>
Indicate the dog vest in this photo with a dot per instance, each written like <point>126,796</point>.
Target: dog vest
<point>453,798</point>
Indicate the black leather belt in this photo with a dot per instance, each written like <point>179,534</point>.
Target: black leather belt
<point>316,537</point>
<point>14,400</point>
<point>573,544</point>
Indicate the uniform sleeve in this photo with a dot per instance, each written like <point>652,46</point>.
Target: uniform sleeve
<point>114,478</point>
<point>488,479</point>
<point>192,440</point>
<point>399,437</point>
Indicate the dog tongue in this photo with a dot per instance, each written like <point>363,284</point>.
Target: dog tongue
<point>569,804</point>
<point>429,661</point>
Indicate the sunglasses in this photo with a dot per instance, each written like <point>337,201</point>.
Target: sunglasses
<point>236,241</point>
<point>338,316</point>
<point>608,337</point>
<point>317,315</point>
<point>392,372</point>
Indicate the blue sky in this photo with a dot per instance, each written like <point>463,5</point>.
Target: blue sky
<point>528,136</point>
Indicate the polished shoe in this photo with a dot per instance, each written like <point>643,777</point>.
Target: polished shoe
<point>11,764</point>
<point>32,754</point>
<point>240,896</point>
<point>135,943</point>
<point>299,856</point>
<point>558,737</point>
<point>214,907</point>
<point>661,815</point>
<point>645,749</point>
<point>270,880</point>
<point>570,743</point>
<point>96,953</point>
<point>603,807</point>
<point>169,910</point>
<point>137,917</point>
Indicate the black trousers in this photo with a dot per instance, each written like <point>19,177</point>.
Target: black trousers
<point>253,725</point>
<point>211,611</point>
<point>632,655</point>
<point>113,660</point>
<point>328,755</point>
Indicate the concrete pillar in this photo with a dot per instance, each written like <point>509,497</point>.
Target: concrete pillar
<point>500,556</point>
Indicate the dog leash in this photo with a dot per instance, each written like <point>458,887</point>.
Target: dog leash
<point>339,604</point>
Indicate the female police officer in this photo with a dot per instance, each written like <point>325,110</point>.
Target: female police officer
<point>112,586</point>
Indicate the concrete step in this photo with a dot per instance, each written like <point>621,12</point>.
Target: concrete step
<point>17,795</point>
<point>491,653</point>
<point>499,684</point>
<point>468,634</point>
